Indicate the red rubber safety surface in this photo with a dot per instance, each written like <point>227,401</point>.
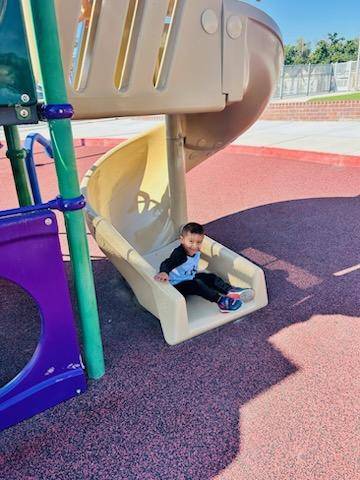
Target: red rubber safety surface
<point>272,397</point>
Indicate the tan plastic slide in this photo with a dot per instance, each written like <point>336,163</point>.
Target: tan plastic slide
<point>129,214</point>
<point>211,66</point>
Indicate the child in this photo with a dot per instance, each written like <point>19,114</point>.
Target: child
<point>181,270</point>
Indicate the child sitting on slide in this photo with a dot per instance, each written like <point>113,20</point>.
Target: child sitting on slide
<point>180,269</point>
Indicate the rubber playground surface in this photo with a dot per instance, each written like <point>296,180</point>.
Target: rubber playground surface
<point>273,396</point>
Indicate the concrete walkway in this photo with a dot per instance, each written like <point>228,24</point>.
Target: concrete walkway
<point>330,137</point>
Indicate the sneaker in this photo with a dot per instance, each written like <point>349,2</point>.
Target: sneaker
<point>243,294</point>
<point>227,304</point>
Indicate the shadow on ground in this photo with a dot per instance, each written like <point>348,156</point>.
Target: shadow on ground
<point>173,412</point>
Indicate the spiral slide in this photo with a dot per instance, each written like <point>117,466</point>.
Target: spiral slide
<point>211,67</point>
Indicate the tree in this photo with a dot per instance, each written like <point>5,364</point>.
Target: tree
<point>290,53</point>
<point>350,50</point>
<point>303,51</point>
<point>297,54</point>
<point>330,50</point>
<point>336,47</point>
<point>321,53</point>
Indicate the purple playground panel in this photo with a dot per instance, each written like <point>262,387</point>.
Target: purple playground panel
<point>30,256</point>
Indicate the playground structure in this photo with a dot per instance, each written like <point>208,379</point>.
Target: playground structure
<point>29,245</point>
<point>128,214</point>
<point>136,194</point>
<point>211,66</point>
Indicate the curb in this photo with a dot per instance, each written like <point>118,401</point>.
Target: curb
<point>98,142</point>
<point>323,158</point>
<point>310,156</point>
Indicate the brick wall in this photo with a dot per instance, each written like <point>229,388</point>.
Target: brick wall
<point>340,110</point>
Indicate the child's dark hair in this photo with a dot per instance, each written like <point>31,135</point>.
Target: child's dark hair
<point>192,228</point>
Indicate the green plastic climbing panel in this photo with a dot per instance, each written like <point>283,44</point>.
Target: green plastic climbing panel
<point>17,85</point>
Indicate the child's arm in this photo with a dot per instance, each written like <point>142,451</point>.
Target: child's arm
<point>177,257</point>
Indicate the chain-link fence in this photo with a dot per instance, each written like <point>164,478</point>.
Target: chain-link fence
<point>312,79</point>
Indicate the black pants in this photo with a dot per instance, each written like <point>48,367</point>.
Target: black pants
<point>206,285</point>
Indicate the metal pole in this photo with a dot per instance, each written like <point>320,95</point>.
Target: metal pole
<point>308,80</point>
<point>48,50</point>
<point>349,75</point>
<point>176,169</point>
<point>16,154</point>
<point>282,81</point>
<point>357,67</point>
<point>332,77</point>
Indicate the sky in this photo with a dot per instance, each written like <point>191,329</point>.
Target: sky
<point>313,19</point>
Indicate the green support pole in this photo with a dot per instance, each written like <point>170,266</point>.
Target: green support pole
<point>16,154</point>
<point>48,48</point>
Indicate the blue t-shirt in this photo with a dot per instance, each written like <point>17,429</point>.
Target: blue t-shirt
<point>179,266</point>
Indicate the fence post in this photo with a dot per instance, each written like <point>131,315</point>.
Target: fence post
<point>348,85</point>
<point>332,75</point>
<point>357,67</point>
<point>282,81</point>
<point>308,80</point>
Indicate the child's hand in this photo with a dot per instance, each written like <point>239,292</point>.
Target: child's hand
<point>162,277</point>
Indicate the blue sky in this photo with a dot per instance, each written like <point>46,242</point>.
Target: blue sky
<point>313,19</point>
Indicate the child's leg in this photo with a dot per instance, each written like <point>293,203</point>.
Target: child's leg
<point>198,287</point>
<point>217,283</point>
<point>214,282</point>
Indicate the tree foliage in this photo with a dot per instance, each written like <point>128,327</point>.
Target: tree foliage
<point>330,50</point>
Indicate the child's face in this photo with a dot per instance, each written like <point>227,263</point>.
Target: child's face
<point>191,242</point>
